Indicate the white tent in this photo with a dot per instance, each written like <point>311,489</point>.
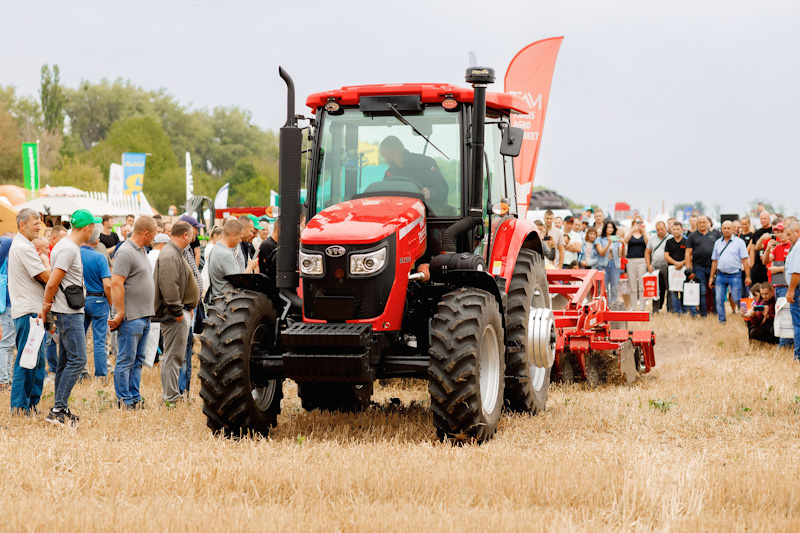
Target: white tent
<point>64,206</point>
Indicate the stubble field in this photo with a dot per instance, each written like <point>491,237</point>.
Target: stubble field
<point>708,441</point>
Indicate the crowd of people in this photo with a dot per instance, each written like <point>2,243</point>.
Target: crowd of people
<point>140,290</point>
<point>754,270</point>
<point>143,290</point>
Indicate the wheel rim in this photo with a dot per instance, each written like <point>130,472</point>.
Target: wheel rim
<point>489,369</point>
<point>262,395</point>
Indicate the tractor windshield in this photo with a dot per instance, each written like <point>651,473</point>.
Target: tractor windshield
<point>360,153</point>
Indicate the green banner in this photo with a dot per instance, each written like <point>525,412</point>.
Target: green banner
<point>30,165</point>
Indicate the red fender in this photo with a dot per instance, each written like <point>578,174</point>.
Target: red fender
<point>513,234</point>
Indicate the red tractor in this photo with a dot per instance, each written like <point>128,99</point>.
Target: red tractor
<point>413,263</point>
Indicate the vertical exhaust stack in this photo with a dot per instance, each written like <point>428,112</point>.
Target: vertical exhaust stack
<point>289,173</point>
<point>479,77</point>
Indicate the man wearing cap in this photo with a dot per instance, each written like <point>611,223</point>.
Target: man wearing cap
<point>97,278</point>
<point>192,258</point>
<point>132,292</point>
<point>177,293</point>
<point>158,244</point>
<point>66,277</point>
<point>263,232</point>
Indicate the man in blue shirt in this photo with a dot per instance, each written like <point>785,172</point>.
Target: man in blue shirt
<point>792,271</point>
<point>728,259</point>
<point>97,278</point>
<point>8,338</point>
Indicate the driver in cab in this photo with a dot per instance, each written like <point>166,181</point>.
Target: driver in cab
<point>419,168</point>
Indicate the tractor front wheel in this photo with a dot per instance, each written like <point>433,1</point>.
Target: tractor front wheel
<point>467,366</point>
<point>239,324</point>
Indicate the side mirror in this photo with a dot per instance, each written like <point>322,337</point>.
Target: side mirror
<point>512,141</point>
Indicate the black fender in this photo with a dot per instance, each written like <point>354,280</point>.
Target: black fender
<point>266,285</point>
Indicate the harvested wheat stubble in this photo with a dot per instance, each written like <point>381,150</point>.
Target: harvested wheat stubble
<point>706,442</point>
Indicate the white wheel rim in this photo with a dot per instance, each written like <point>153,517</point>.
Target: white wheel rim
<point>489,369</point>
<point>537,374</point>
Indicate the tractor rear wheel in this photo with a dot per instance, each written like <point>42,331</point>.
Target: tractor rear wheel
<point>238,325</point>
<point>334,396</point>
<point>527,384</point>
<point>467,365</point>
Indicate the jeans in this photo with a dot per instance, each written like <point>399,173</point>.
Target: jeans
<point>612,281</point>
<point>26,386</point>
<point>677,303</point>
<point>795,307</point>
<point>96,312</point>
<point>185,377</point>
<point>721,284</point>
<point>702,274</point>
<point>51,349</point>
<point>71,355</point>
<point>7,346</point>
<point>132,338</point>
<point>780,292</point>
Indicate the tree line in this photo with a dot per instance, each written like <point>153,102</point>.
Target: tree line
<point>82,130</point>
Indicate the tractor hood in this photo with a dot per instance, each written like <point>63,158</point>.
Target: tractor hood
<point>364,221</point>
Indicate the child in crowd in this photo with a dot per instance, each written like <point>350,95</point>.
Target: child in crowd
<point>761,316</point>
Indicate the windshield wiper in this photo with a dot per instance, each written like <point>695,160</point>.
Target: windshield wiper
<point>410,125</point>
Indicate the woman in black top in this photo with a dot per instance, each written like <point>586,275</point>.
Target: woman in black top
<point>636,240</point>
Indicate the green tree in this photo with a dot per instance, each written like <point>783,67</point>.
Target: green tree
<point>80,174</point>
<point>10,150</point>
<point>145,135</point>
<point>52,98</point>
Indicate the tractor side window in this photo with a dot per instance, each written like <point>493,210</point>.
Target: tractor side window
<point>364,154</point>
<point>511,185</point>
<point>495,171</point>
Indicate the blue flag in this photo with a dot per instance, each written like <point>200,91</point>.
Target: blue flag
<point>133,168</point>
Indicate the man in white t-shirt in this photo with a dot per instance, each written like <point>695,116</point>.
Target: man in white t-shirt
<point>27,276</point>
<point>65,296</point>
<point>572,248</point>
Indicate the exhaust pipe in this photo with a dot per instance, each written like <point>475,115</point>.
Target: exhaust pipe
<point>479,77</point>
<point>289,173</point>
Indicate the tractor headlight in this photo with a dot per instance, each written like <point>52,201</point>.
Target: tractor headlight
<point>311,264</point>
<point>369,263</point>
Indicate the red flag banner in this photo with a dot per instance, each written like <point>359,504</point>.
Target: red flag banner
<point>529,76</point>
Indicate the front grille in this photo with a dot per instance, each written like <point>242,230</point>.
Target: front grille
<point>349,298</point>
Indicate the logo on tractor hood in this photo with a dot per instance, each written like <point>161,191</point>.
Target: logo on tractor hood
<point>335,251</point>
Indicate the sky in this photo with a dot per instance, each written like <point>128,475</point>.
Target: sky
<point>652,102</point>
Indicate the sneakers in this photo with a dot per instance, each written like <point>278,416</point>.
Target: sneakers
<point>63,417</point>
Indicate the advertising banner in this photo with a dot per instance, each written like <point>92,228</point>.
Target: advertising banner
<point>189,177</point>
<point>133,167</point>
<point>529,76</point>
<point>30,165</point>
<point>116,181</point>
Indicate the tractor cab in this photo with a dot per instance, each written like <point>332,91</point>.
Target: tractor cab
<point>413,141</point>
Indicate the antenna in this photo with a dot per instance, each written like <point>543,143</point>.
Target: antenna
<point>473,60</point>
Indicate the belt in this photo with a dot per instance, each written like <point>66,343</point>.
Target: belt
<point>729,273</point>
<point>95,294</point>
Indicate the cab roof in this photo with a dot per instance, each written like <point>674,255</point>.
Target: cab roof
<point>430,93</point>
